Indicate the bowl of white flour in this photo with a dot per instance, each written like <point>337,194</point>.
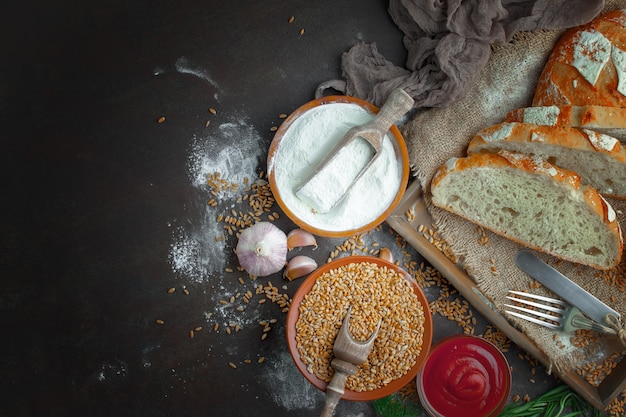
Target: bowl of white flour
<point>306,137</point>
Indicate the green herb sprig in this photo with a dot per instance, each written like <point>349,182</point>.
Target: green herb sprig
<point>558,402</point>
<point>394,406</point>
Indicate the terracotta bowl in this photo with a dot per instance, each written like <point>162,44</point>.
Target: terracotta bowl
<point>401,154</point>
<point>393,386</point>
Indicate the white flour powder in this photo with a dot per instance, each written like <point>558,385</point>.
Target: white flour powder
<point>293,392</point>
<point>195,253</point>
<point>307,141</point>
<point>341,171</point>
<point>184,67</point>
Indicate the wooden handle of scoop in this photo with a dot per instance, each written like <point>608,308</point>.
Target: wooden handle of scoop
<point>335,389</point>
<point>396,106</point>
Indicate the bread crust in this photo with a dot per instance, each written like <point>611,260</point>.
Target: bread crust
<point>589,117</point>
<point>587,65</point>
<point>573,138</point>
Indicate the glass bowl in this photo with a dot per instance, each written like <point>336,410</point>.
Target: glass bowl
<point>464,375</point>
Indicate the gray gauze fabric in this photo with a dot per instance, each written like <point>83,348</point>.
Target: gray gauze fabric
<point>448,43</point>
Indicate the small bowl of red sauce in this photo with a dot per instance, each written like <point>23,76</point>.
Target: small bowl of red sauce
<point>464,376</point>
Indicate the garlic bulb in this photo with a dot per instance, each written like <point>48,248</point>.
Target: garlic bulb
<point>298,237</point>
<point>299,266</point>
<point>262,249</point>
<point>386,255</point>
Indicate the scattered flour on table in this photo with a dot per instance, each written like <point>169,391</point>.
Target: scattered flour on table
<point>194,252</point>
<point>289,388</point>
<point>183,66</point>
<point>234,163</point>
<point>146,352</point>
<point>293,392</point>
<point>113,371</point>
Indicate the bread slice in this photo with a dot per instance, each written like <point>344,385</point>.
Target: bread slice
<point>530,201</point>
<point>599,159</point>
<point>607,120</point>
<point>587,65</point>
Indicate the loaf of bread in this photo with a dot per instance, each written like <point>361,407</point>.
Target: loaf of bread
<point>587,65</point>
<point>608,120</point>
<point>532,202</point>
<point>599,159</point>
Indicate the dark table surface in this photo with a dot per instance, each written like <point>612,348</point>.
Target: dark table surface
<point>106,208</point>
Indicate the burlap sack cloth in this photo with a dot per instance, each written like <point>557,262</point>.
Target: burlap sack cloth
<point>435,135</point>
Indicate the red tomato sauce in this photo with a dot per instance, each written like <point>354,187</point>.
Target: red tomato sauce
<point>465,376</point>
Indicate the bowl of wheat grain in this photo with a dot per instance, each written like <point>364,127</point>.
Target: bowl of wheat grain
<point>376,291</point>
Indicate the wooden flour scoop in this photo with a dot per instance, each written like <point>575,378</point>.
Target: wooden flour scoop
<point>349,354</point>
<point>324,188</point>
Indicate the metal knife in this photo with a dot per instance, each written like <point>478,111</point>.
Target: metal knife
<point>564,287</point>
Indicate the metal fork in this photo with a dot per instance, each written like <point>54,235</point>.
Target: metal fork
<point>551,312</point>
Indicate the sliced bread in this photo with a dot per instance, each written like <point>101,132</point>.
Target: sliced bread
<point>607,120</point>
<point>532,202</point>
<point>587,65</point>
<point>599,159</point>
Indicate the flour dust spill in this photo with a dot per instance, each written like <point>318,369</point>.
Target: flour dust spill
<point>199,247</point>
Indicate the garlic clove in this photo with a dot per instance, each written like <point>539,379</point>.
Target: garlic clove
<point>299,237</point>
<point>262,249</point>
<point>299,266</point>
<point>386,255</point>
